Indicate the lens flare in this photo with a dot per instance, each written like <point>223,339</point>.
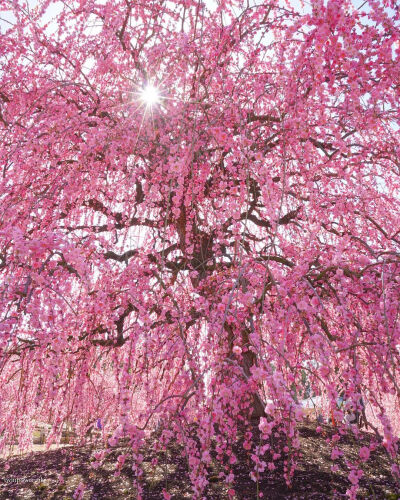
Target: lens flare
<point>150,95</point>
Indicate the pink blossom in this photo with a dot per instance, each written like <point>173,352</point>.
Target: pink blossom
<point>355,476</point>
<point>364,453</point>
<point>237,350</point>
<point>78,494</point>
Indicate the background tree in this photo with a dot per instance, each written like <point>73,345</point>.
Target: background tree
<point>199,204</point>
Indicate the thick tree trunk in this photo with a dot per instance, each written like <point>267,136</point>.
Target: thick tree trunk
<point>249,359</point>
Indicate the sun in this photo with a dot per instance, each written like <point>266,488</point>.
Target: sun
<point>150,95</point>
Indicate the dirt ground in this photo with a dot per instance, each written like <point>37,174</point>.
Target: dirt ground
<point>36,475</point>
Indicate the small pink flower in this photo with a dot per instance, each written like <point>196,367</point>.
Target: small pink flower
<point>364,453</point>
<point>335,438</point>
<point>166,495</point>
<point>395,470</point>
<point>78,495</point>
<point>302,305</point>
<point>112,441</point>
<point>314,301</point>
<point>237,350</point>
<point>355,476</point>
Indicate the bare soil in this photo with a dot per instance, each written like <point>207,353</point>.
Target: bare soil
<point>35,475</point>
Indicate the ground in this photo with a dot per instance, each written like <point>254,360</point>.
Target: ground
<point>36,475</point>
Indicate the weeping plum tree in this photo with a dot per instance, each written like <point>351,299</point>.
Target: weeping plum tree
<point>199,208</point>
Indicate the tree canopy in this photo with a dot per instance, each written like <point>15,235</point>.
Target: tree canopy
<point>199,220</point>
